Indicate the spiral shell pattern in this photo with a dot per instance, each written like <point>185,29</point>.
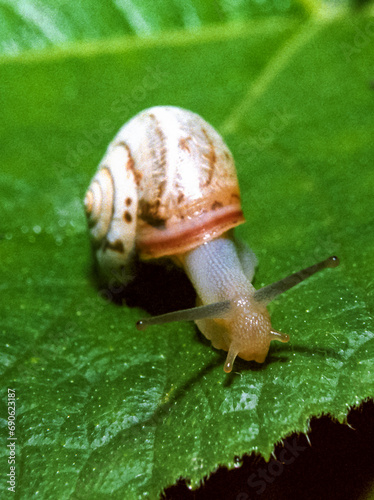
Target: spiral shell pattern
<point>111,208</point>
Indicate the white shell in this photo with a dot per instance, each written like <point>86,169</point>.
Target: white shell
<point>166,185</point>
<point>111,205</point>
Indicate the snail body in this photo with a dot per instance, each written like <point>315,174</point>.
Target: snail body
<point>167,187</point>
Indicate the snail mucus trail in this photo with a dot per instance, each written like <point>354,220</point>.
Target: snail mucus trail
<point>167,187</point>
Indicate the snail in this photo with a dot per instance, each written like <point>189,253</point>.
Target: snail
<point>167,187</point>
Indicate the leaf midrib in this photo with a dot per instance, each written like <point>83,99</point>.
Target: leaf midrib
<point>231,30</point>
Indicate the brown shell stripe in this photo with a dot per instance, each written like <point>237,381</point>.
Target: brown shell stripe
<point>162,244</point>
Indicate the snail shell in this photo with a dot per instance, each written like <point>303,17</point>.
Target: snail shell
<point>166,184</point>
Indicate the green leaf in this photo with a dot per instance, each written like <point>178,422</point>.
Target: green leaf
<point>103,410</point>
<point>36,24</point>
